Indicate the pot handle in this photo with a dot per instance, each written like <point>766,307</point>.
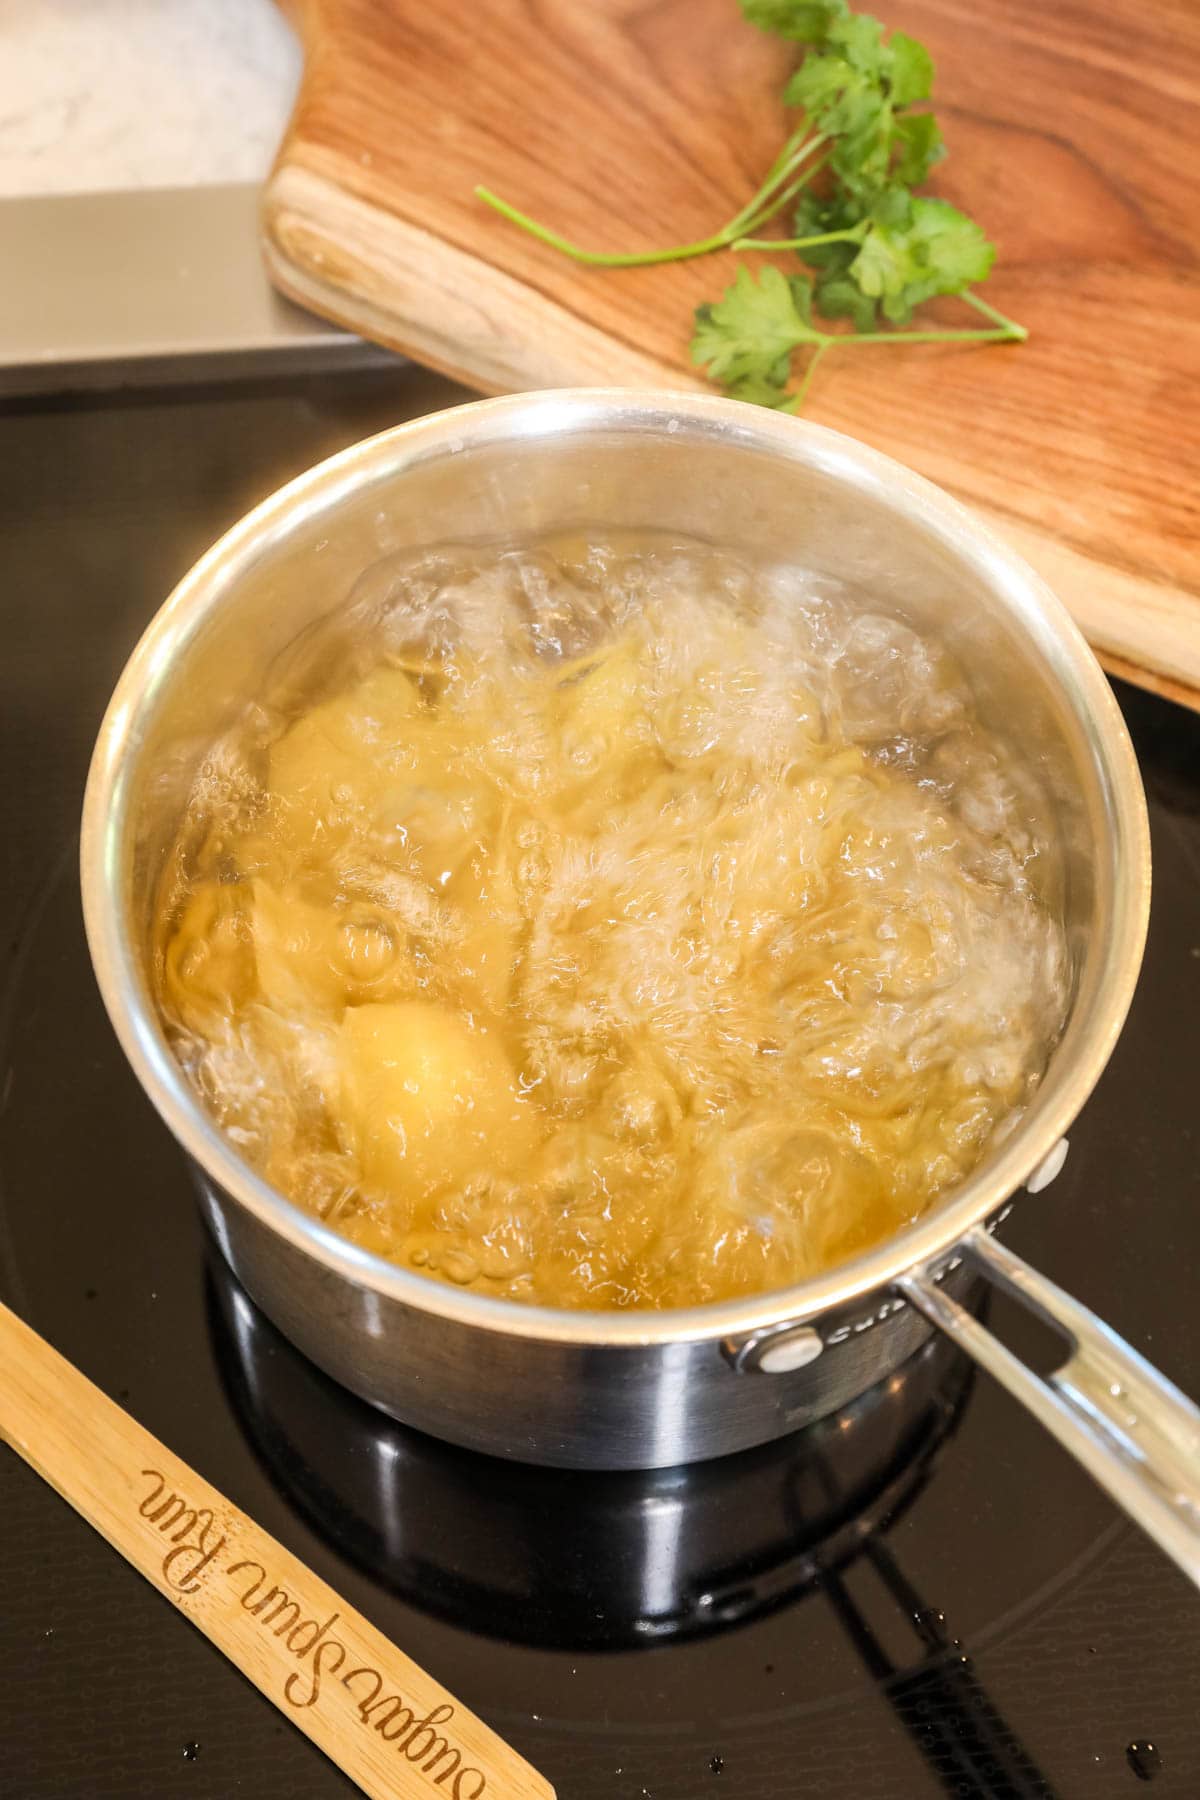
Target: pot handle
<point>1132,1429</point>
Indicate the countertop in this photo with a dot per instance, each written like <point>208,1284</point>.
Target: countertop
<point>135,136</point>
<point>102,95</point>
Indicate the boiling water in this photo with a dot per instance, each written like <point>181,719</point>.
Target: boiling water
<point>615,928</point>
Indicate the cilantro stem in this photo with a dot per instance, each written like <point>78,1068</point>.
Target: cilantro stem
<point>600,259</point>
<point>1017,332</point>
<point>756,211</point>
<point>778,201</point>
<point>853,234</point>
<point>798,398</point>
<point>769,197</point>
<point>794,152</point>
<point>1001,335</point>
<point>824,341</point>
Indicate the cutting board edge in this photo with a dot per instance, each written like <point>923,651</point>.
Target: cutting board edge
<point>1104,599</point>
<point>337,254</point>
<point>1178,692</point>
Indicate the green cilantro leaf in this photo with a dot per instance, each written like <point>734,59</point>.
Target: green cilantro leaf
<point>885,263</point>
<point>837,296</point>
<point>852,93</point>
<point>817,217</point>
<point>759,392</point>
<point>891,205</point>
<point>938,251</point>
<point>752,327</point>
<point>911,70</point>
<point>830,90</point>
<point>861,157</point>
<point>921,145</point>
<point>802,294</point>
<point>859,38</point>
<point>804,21</point>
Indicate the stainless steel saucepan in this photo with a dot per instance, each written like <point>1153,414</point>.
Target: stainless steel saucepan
<point>649,1389</point>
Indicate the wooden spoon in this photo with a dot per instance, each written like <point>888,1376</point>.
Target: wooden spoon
<point>386,1723</point>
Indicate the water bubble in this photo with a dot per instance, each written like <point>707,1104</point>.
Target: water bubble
<point>533,871</point>
<point>460,1267</point>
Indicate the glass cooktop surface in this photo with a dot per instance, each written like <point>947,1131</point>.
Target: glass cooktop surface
<point>920,1597</point>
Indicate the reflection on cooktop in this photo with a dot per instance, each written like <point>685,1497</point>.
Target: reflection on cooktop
<point>582,1561</point>
<point>608,1561</point>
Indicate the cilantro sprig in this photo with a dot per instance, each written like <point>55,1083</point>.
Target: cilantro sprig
<point>873,249</point>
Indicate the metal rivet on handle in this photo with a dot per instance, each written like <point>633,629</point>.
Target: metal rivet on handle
<point>791,1352</point>
<point>776,1352</point>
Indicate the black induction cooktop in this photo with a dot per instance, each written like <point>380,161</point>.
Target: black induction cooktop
<point>919,1597</point>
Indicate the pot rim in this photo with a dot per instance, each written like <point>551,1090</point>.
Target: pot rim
<point>1071,665</point>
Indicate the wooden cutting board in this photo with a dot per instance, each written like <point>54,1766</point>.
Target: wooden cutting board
<point>1074,134</point>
